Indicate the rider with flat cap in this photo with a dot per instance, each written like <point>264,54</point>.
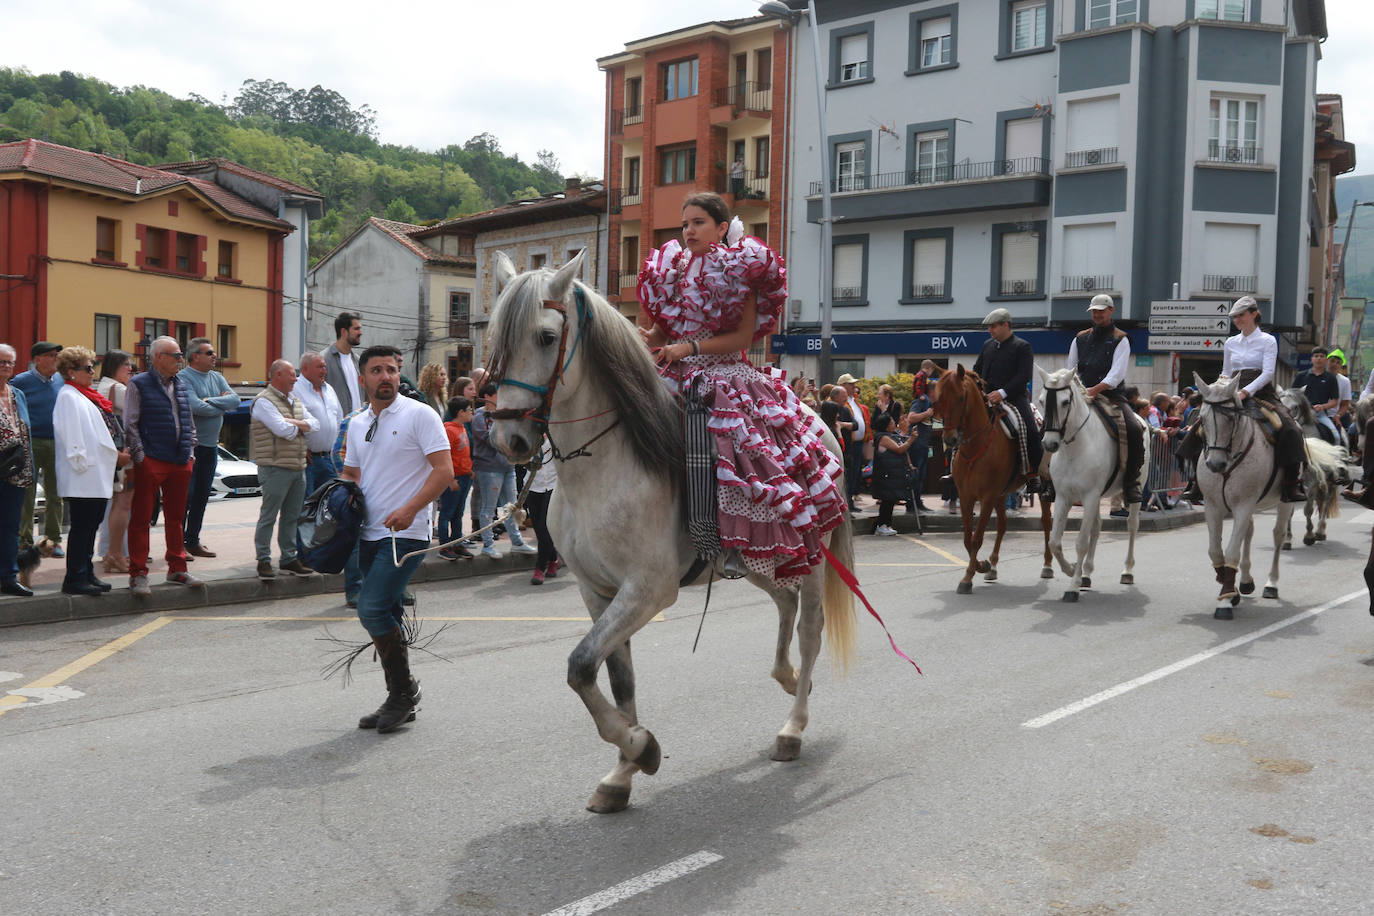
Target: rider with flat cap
<point>1252,355</point>
<point>1005,366</point>
<point>1101,354</point>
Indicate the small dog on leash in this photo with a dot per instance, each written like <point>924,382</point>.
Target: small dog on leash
<point>31,556</point>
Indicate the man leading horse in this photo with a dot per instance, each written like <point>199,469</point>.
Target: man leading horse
<point>1101,355</point>
<point>1005,365</point>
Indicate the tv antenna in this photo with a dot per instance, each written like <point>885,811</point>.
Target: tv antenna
<point>891,131</point>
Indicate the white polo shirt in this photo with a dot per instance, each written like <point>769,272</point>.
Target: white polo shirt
<point>394,466</point>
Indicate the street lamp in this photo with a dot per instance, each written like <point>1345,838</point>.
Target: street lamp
<point>1338,281</point>
<point>779,10</point>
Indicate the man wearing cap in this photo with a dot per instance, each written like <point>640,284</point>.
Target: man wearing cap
<point>1323,393</point>
<point>1336,363</point>
<point>1101,355</point>
<point>854,447</point>
<point>40,385</point>
<point>1005,366</point>
<point>1252,355</point>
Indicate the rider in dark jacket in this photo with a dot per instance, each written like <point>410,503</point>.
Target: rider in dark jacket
<point>1005,366</point>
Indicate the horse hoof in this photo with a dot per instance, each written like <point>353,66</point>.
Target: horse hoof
<point>1235,600</point>
<point>1085,582</point>
<point>1071,597</point>
<point>609,799</point>
<point>1308,540</point>
<point>1046,573</point>
<point>1127,579</point>
<point>1319,536</point>
<point>649,758</point>
<point>785,748</point>
<point>1270,592</point>
<point>1247,588</point>
<point>1287,545</point>
<point>965,588</point>
<point>990,576</point>
<point>1223,613</point>
<point>984,566</point>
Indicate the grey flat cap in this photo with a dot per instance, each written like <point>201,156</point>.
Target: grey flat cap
<point>997,316</point>
<point>1243,305</point>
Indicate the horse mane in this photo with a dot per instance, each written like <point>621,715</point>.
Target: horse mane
<point>1299,406</point>
<point>616,361</point>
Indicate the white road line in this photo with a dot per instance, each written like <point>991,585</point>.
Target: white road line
<point>1158,673</point>
<point>638,885</point>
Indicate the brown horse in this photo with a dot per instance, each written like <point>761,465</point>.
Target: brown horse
<point>984,470</point>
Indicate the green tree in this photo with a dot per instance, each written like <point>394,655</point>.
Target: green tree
<point>400,211</point>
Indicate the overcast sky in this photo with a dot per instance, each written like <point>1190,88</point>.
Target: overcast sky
<point>523,70</point>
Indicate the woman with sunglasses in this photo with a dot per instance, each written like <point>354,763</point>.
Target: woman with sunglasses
<point>84,432</point>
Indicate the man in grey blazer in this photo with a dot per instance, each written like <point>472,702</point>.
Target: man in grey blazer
<point>341,363</point>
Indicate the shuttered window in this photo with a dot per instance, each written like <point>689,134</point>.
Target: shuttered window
<point>853,58</point>
<point>928,268</point>
<point>1025,145</point>
<point>849,271</point>
<point>1020,264</point>
<point>1089,257</point>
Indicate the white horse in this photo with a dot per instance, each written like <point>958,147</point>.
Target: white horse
<point>1084,465</point>
<point>1326,471</point>
<point>569,363</point>
<point>1237,476</point>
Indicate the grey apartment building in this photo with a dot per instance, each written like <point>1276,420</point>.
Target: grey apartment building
<point>1033,153</point>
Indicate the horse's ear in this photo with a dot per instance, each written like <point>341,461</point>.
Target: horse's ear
<point>1040,373</point>
<point>562,280</point>
<point>1203,388</point>
<point>961,372</point>
<point>505,270</point>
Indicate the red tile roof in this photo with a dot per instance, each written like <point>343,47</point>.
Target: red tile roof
<point>233,167</point>
<point>108,173</point>
<point>405,234</point>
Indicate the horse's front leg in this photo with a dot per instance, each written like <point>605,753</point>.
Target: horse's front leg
<point>1047,567</point>
<point>1247,580</point>
<point>615,621</point>
<point>1082,545</point>
<point>787,743</point>
<point>1271,587</point>
<point>1132,527</point>
<point>973,540</point>
<point>989,569</point>
<point>1056,541</point>
<point>1310,537</point>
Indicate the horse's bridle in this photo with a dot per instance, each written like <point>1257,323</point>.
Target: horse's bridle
<point>1051,406</point>
<point>540,413</point>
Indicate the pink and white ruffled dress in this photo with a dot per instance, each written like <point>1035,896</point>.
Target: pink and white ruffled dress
<point>778,485</point>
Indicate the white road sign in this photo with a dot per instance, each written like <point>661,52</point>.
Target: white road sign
<point>1165,324</point>
<point>1199,342</point>
<point>1188,308</point>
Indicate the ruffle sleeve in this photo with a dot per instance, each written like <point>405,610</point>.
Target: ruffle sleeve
<point>686,295</point>
<point>657,283</point>
<point>756,267</point>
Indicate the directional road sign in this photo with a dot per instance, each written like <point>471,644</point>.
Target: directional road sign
<point>1199,342</point>
<point>1188,308</point>
<point>1205,326</point>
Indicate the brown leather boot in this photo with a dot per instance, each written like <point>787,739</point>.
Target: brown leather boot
<point>402,690</point>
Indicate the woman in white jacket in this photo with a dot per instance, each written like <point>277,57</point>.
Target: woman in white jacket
<point>86,458</point>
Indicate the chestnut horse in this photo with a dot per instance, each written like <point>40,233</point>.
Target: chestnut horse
<point>984,470</point>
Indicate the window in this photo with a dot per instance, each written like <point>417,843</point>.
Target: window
<point>759,231</point>
<point>153,328</point>
<point>629,260</point>
<point>1227,10</point>
<point>1103,13</point>
<point>1233,130</point>
<point>847,284</point>
<point>932,157</point>
<point>106,239</point>
<point>538,260</point>
<point>851,166</point>
<point>1093,132</point>
<point>928,262</point>
<point>186,251</point>
<point>634,85</point>
<point>1089,258</point>
<point>183,332</point>
<point>154,247</point>
<point>1020,255</point>
<point>679,79</point>
<point>459,310</point>
<point>741,71</point>
<point>226,260</point>
<point>854,64</point>
<point>761,154</point>
<point>1023,146</point>
<point>1027,25</point>
<point>936,42</point>
<point>1230,258</point>
<point>107,333</point>
<point>228,343</point>
<point>632,176</point>
<point>677,165</point>
<point>763,68</point>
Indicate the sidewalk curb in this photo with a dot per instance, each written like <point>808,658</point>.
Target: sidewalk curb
<point>942,522</point>
<point>237,585</point>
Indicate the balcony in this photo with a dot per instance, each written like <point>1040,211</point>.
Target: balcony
<point>622,117</point>
<point>842,294</point>
<point>1027,287</point>
<point>1087,158</point>
<point>927,291</point>
<point>945,188</point>
<point>1090,283</point>
<point>1238,152</point>
<point>620,198</point>
<point>629,280</point>
<point>1229,283</point>
<point>747,96</point>
<point>751,189</point>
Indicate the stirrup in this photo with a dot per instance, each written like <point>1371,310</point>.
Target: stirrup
<point>732,565</point>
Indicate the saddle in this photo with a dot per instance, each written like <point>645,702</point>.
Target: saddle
<point>1109,412</point>
<point>1009,421</point>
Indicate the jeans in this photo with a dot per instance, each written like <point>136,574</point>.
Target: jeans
<point>11,505</point>
<point>283,492</point>
<point>353,575</point>
<point>853,467</point>
<point>538,506</point>
<point>319,472</point>
<point>44,451</point>
<point>379,602</point>
<point>451,510</point>
<point>198,494</point>
<point>152,477</point>
<point>497,488</point>
<point>86,514</point>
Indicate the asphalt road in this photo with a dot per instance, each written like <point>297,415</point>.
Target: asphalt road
<point>201,765</point>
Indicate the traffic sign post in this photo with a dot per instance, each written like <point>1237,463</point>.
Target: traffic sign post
<point>1205,326</point>
<point>1199,343</point>
<point>1189,308</point>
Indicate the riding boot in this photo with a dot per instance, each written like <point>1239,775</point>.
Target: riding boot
<point>403,691</point>
<point>1033,484</point>
<point>1293,490</point>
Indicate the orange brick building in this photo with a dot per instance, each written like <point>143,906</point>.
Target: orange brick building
<point>683,108</point>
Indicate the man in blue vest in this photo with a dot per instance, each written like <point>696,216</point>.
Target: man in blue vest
<point>211,399</point>
<point>40,386</point>
<point>160,432</point>
<point>1101,355</point>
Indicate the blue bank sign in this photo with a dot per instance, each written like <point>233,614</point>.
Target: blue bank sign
<point>926,343</point>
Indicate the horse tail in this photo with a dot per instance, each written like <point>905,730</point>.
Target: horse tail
<point>837,601</point>
<point>1327,462</point>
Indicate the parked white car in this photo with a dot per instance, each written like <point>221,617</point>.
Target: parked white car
<point>234,477</point>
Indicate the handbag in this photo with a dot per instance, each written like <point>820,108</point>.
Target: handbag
<point>13,457</point>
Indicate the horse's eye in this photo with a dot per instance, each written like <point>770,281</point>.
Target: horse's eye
<point>547,338</point>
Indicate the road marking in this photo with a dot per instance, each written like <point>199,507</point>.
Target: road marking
<point>1158,673</point>
<point>912,565</point>
<point>933,549</point>
<point>15,698</point>
<point>638,885</point>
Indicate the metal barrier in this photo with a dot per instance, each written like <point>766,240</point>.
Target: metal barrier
<point>1165,480</point>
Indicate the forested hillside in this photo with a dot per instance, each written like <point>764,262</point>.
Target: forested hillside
<point>313,137</point>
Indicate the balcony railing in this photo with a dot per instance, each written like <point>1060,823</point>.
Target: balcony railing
<point>927,290</point>
<point>750,95</point>
<point>622,116</point>
<point>1087,157</point>
<point>620,198</point>
<point>1030,287</point>
<point>938,174</point>
<point>628,280</point>
<point>847,293</point>
<point>1240,153</point>
<point>1088,283</point>
<point>1230,283</point>
<point>752,185</point>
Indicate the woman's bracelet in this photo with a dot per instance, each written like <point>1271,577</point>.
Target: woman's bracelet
<point>696,348</point>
